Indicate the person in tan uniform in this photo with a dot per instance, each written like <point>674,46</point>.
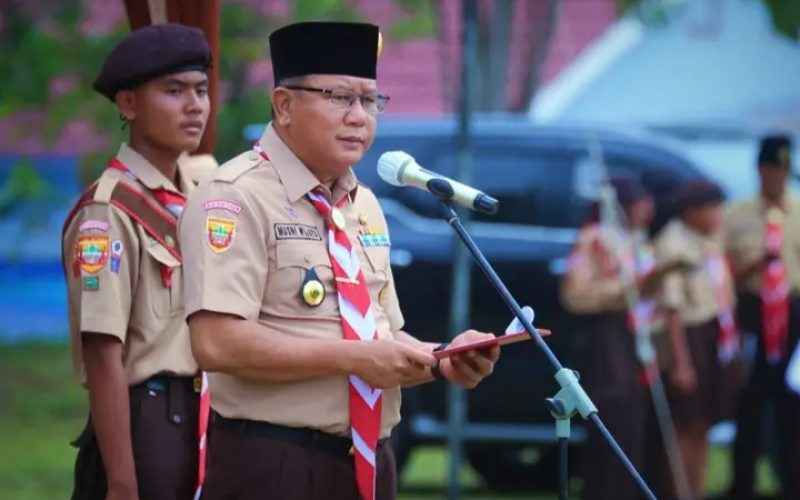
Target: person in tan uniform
<point>287,258</point>
<point>702,344</point>
<point>130,344</point>
<point>764,250</point>
<point>594,287</point>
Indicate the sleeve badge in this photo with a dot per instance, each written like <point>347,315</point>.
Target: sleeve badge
<point>220,232</point>
<point>91,253</point>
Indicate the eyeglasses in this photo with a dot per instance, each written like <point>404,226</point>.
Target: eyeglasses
<point>345,99</point>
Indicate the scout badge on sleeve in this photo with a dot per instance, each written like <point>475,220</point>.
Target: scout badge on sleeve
<point>91,253</point>
<point>220,233</point>
<point>91,283</point>
<point>312,291</point>
<point>117,248</point>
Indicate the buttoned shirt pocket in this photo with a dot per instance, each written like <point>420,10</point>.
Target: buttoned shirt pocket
<point>375,266</point>
<point>294,261</point>
<point>164,281</point>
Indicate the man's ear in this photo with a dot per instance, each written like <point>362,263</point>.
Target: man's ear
<point>281,106</point>
<point>126,104</point>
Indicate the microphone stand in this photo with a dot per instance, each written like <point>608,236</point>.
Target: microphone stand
<point>572,398</point>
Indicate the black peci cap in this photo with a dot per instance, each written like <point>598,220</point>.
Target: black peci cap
<point>323,48</point>
<point>776,150</point>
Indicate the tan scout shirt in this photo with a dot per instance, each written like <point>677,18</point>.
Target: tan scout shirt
<point>249,237</point>
<point>691,291</point>
<point>593,283</point>
<point>744,239</point>
<point>114,282</point>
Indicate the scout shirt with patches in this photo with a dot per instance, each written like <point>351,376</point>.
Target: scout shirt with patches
<point>114,279</point>
<point>690,291</point>
<point>745,223</point>
<point>250,237</point>
<point>593,284</point>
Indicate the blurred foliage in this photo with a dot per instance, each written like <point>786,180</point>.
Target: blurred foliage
<point>421,23</point>
<point>785,14</point>
<point>24,183</point>
<point>41,48</point>
<point>325,10</point>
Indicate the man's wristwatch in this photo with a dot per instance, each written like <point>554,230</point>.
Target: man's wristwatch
<point>437,373</point>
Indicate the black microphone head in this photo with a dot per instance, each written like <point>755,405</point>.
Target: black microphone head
<point>487,204</point>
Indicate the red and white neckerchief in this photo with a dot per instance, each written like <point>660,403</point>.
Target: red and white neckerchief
<point>774,291</point>
<point>174,203</point>
<point>728,338</point>
<point>641,258</point>
<point>355,310</point>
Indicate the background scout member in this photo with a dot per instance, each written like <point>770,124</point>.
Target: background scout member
<point>697,300</point>
<point>289,293</point>
<point>593,286</point>
<point>130,344</point>
<point>763,245</point>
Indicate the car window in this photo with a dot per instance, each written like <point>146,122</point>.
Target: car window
<point>532,184</point>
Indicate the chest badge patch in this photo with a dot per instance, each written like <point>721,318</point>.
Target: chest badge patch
<point>313,291</point>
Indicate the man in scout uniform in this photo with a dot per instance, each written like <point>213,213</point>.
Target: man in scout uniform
<point>697,300</point>
<point>289,292</point>
<point>763,246</point>
<point>130,344</point>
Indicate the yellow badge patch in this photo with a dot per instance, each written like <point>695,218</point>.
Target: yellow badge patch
<point>220,233</point>
<point>91,253</point>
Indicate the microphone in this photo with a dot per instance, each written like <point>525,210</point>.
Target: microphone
<point>400,169</point>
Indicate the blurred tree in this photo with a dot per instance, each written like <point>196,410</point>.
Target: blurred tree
<point>49,62</point>
<point>501,46</point>
<point>785,14</point>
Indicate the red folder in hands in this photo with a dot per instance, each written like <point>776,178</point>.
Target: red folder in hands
<point>514,333</point>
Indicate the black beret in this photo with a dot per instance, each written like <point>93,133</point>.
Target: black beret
<point>776,150</point>
<point>629,190</point>
<point>151,52</point>
<point>322,48</point>
<point>698,193</point>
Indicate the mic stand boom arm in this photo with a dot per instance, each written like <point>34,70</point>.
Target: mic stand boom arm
<point>572,398</point>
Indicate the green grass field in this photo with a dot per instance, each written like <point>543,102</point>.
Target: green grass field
<point>42,409</point>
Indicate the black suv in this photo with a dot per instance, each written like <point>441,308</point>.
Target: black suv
<point>545,181</point>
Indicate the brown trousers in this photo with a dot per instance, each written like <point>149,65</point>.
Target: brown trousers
<point>164,439</point>
<point>249,466</point>
<point>765,387</point>
<point>613,379</point>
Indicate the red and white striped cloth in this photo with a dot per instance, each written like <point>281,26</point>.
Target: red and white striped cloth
<point>775,293</point>
<point>202,433</point>
<point>357,324</point>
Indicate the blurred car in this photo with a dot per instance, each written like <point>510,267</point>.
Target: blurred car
<point>546,182</point>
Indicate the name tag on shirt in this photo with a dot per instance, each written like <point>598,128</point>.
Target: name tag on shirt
<point>296,232</point>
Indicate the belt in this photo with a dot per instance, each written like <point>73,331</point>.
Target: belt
<point>164,383</point>
<point>303,436</point>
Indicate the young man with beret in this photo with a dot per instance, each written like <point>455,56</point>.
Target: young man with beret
<point>130,344</point>
<point>289,292</point>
